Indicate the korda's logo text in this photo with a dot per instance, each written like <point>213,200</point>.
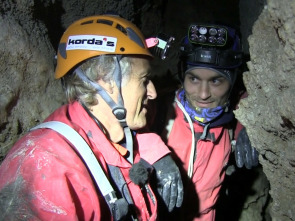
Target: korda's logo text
<point>92,42</point>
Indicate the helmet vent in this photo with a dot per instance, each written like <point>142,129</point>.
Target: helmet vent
<point>87,22</point>
<point>134,37</point>
<point>122,29</point>
<point>104,21</point>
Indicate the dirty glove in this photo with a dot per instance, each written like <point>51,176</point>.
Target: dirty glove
<point>245,154</point>
<point>169,183</point>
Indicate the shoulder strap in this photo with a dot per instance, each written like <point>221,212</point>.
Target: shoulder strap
<point>169,124</point>
<point>85,152</point>
<point>233,141</point>
<point>192,152</point>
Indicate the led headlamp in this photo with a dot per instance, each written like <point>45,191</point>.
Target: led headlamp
<point>214,46</point>
<point>208,35</point>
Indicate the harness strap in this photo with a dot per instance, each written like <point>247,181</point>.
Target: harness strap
<point>129,143</point>
<point>121,185</point>
<point>232,139</point>
<point>192,153</point>
<point>85,152</point>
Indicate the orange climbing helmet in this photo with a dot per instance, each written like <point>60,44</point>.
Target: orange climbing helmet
<point>97,35</point>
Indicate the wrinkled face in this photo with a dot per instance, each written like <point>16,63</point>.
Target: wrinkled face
<point>205,88</point>
<point>136,92</point>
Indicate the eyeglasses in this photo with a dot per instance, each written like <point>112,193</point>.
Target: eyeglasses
<point>208,35</point>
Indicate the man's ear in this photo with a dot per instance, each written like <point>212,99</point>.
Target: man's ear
<point>107,85</point>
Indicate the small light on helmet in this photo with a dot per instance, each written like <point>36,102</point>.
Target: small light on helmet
<point>221,31</point>
<point>212,31</point>
<point>210,35</point>
<point>212,39</point>
<point>194,36</point>
<point>203,30</point>
<point>194,29</point>
<point>202,38</point>
<point>220,41</point>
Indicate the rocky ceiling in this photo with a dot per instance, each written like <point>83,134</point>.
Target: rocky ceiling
<point>29,35</point>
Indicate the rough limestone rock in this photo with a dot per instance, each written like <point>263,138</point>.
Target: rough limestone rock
<point>269,111</point>
<point>28,92</point>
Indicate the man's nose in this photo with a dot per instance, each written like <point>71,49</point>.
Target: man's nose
<point>151,91</point>
<point>204,91</point>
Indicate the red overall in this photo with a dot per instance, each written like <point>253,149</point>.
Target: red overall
<point>212,154</point>
<point>48,181</point>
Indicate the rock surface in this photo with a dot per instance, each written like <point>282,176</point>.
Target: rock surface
<point>269,111</point>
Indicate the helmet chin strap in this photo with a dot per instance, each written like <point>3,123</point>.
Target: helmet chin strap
<point>118,109</point>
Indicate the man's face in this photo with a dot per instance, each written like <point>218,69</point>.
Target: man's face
<point>136,93</point>
<point>205,88</point>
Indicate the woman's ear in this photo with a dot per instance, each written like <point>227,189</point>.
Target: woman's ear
<point>107,85</point>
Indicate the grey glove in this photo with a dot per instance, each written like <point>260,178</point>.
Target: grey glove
<point>169,183</point>
<point>245,154</point>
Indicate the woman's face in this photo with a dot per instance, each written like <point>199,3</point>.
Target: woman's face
<point>205,88</point>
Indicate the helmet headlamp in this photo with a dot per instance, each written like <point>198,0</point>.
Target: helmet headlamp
<point>214,46</point>
<point>208,35</point>
<point>210,46</point>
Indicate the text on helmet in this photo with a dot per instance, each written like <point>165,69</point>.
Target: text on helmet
<point>91,42</point>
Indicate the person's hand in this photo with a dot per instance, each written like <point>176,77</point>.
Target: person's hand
<point>169,183</point>
<point>245,154</point>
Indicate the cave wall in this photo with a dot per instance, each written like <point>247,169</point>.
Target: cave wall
<point>268,112</point>
<point>30,32</point>
<point>28,92</point>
